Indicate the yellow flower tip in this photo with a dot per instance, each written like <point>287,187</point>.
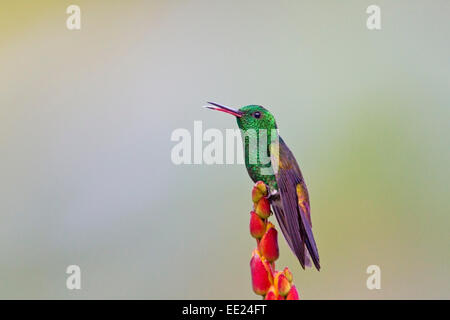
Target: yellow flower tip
<point>259,191</point>
<point>288,274</point>
<point>269,225</point>
<point>283,284</point>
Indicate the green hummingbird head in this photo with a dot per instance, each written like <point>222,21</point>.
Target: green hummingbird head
<point>255,117</point>
<point>258,127</point>
<point>249,117</point>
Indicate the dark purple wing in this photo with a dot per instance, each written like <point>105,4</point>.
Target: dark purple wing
<point>292,208</point>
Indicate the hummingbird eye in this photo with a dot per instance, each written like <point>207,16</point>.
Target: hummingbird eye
<point>257,115</point>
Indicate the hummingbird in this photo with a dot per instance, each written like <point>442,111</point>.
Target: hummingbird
<point>288,195</point>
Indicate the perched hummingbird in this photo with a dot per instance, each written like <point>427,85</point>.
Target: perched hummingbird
<point>288,195</point>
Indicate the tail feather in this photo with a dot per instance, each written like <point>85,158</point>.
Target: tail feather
<point>299,251</point>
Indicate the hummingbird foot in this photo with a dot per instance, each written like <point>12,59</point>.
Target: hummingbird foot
<point>272,194</point>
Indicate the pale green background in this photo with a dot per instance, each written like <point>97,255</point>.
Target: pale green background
<point>85,124</point>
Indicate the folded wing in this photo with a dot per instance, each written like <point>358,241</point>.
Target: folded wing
<point>292,208</point>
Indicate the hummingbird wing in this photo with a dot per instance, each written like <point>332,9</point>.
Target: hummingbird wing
<point>292,209</point>
<point>300,252</point>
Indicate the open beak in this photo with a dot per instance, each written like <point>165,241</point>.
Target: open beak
<point>218,107</point>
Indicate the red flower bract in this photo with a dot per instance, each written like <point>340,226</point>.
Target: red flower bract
<point>283,284</point>
<point>257,225</point>
<point>293,294</point>
<point>262,208</point>
<point>271,294</point>
<point>273,285</point>
<point>269,244</point>
<point>260,277</point>
<point>259,191</point>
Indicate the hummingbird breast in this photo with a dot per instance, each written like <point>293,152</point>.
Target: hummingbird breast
<point>259,173</point>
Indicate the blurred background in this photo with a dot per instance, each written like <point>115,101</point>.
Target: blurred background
<point>86,118</point>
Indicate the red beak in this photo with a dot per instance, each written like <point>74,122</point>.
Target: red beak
<point>219,107</point>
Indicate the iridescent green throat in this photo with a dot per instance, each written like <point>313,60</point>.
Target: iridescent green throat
<point>259,130</point>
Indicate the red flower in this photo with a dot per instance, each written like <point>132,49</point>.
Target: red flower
<point>283,284</point>
<point>269,243</point>
<point>260,276</point>
<point>257,225</point>
<point>262,208</point>
<point>293,294</point>
<point>273,285</point>
<point>259,191</point>
<point>271,294</point>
